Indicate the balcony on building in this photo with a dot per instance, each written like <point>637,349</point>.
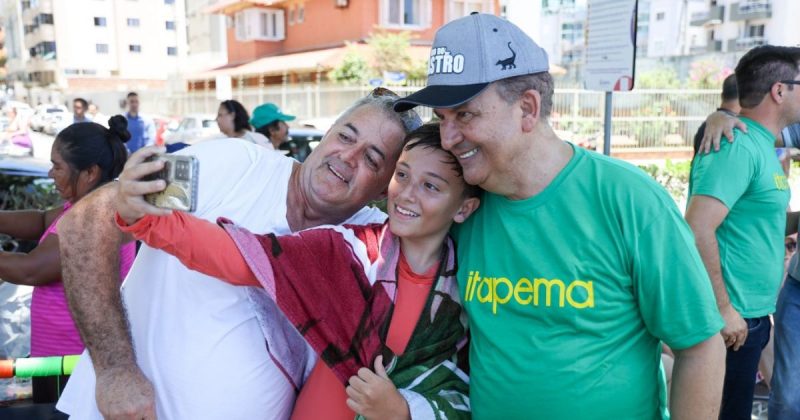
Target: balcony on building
<point>713,16</point>
<point>746,43</point>
<point>714,46</point>
<point>754,9</point>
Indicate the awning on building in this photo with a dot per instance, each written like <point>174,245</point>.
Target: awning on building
<point>229,7</point>
<point>309,62</point>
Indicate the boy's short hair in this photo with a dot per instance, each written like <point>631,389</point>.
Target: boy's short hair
<point>729,90</point>
<point>428,136</point>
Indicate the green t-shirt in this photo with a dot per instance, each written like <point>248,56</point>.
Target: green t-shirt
<point>569,292</point>
<point>747,177</point>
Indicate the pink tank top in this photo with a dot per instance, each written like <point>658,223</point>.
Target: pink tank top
<point>53,332</point>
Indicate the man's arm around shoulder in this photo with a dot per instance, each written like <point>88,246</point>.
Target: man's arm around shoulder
<point>89,243</point>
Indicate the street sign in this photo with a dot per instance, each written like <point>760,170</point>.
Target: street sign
<point>611,45</point>
<point>610,52</point>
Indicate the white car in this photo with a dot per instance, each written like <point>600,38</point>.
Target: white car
<point>194,128</point>
<point>57,121</point>
<point>41,113</point>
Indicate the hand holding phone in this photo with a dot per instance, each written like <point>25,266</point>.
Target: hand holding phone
<point>180,173</point>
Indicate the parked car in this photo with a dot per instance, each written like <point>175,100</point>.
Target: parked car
<point>193,128</point>
<point>301,142</point>
<point>41,113</point>
<point>24,167</point>
<point>55,122</point>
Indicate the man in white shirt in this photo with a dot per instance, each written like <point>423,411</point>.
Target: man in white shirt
<point>197,348</point>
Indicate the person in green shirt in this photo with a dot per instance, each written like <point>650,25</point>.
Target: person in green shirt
<point>737,210</point>
<point>577,265</point>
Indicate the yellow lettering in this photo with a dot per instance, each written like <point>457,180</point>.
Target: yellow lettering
<point>587,286</point>
<point>488,296</point>
<point>470,279</point>
<point>523,286</point>
<point>780,182</point>
<point>548,284</point>
<point>497,298</point>
<point>499,291</point>
<point>475,279</point>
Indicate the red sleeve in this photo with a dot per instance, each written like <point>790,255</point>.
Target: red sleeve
<point>199,244</point>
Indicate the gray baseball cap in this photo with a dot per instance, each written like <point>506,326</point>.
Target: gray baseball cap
<point>470,53</point>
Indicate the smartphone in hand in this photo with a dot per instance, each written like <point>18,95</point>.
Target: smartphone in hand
<point>180,173</point>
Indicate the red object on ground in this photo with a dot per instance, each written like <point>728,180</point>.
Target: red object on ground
<point>6,368</point>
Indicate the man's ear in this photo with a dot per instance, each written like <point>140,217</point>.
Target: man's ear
<point>531,104</point>
<point>468,206</point>
<point>776,92</point>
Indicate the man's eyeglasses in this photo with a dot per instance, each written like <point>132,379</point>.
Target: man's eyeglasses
<point>791,82</point>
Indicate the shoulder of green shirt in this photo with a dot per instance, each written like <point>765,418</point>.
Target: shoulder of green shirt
<point>631,179</point>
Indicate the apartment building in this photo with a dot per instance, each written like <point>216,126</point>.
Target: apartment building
<point>669,32</point>
<point>280,41</point>
<point>15,54</point>
<point>75,46</point>
<point>3,58</point>
<point>206,37</point>
<point>733,27</point>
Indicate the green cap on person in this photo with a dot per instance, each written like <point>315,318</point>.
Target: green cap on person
<point>267,113</point>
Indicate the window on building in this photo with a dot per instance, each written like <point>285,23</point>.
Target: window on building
<point>46,50</point>
<point>259,24</point>
<point>99,21</point>
<point>572,31</point>
<point>170,25</point>
<point>133,22</point>
<point>301,14</point>
<point>172,50</point>
<point>101,48</point>
<point>660,15</point>
<point>169,1</point>
<point>414,13</point>
<point>291,15</point>
<point>460,8</point>
<point>754,31</point>
<point>43,19</point>
<point>71,72</point>
<point>26,4</point>
<point>135,48</point>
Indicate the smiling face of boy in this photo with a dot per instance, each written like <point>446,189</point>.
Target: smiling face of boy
<point>426,194</point>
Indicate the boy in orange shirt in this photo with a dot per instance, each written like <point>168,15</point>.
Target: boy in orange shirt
<point>359,295</point>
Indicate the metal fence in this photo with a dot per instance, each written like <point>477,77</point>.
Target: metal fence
<point>649,119</point>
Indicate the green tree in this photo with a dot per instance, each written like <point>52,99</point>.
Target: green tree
<point>659,78</point>
<point>418,70</point>
<point>390,51</point>
<point>353,68</point>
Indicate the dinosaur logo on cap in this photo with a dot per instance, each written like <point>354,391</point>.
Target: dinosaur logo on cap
<point>508,63</point>
<point>443,62</point>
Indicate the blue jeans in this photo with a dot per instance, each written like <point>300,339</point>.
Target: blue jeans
<point>741,367</point>
<point>784,400</point>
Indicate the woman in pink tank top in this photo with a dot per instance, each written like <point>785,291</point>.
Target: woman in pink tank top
<point>84,156</point>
